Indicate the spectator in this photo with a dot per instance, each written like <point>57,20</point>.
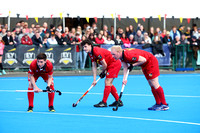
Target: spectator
<point>109,40</point>
<point>37,40</point>
<point>45,28</point>
<point>131,30</point>
<point>188,34</point>
<point>183,51</point>
<point>26,40</point>
<point>41,32</point>
<point>83,54</point>
<point>167,39</point>
<point>15,39</point>
<point>21,24</point>
<point>73,32</point>
<point>16,26</point>
<point>118,41</point>
<point>177,41</point>
<point>59,28</point>
<point>158,31</point>
<point>142,29</point>
<point>94,27</point>
<point>120,32</point>
<point>125,41</point>
<point>1,54</point>
<point>194,31</point>
<point>99,39</point>
<point>77,42</point>
<point>181,29</point>
<point>139,38</point>
<point>0,27</point>
<point>3,32</point>
<point>65,34</point>
<point>22,34</point>
<point>195,45</point>
<point>174,32</point>
<point>52,29</point>
<point>127,32</point>
<point>157,46</point>
<point>112,32</point>
<point>147,39</point>
<point>151,33</point>
<point>105,28</point>
<point>45,42</point>
<point>131,39</point>
<point>61,40</point>
<point>52,40</point>
<point>8,39</point>
<point>92,38</point>
<point>17,31</point>
<point>163,34</point>
<point>87,33</point>
<point>30,34</point>
<point>37,26</point>
<point>26,27</point>
<point>79,30</point>
<point>105,35</point>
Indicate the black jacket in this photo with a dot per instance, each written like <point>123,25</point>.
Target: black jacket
<point>6,40</point>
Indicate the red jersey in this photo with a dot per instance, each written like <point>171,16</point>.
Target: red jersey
<point>132,56</point>
<point>46,70</point>
<point>98,54</point>
<point>150,68</point>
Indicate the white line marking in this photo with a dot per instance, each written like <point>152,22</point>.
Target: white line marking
<point>145,95</point>
<point>105,116</point>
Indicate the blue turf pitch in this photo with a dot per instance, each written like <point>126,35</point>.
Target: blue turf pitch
<point>182,93</point>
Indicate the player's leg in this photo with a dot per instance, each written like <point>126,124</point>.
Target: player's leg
<point>159,93</point>
<point>50,95</point>
<point>113,73</point>
<point>107,90</point>
<point>51,98</point>
<point>30,98</point>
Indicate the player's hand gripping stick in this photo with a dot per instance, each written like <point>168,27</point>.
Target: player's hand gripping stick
<point>123,85</point>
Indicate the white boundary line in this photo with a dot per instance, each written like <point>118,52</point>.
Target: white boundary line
<point>90,77</point>
<point>145,95</point>
<point>105,116</point>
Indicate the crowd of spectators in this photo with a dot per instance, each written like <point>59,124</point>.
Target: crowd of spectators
<point>46,35</point>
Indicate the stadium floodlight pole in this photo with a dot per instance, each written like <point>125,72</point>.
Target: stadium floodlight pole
<point>63,22</point>
<point>115,25</point>
<point>75,104</point>
<point>120,96</point>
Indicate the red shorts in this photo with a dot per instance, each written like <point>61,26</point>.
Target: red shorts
<point>113,69</point>
<point>151,69</point>
<point>44,76</point>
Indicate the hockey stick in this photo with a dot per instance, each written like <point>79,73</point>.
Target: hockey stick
<point>59,93</point>
<point>123,85</point>
<point>75,104</point>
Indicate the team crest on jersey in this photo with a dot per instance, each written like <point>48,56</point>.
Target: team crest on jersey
<point>150,74</point>
<point>134,59</point>
<point>100,57</point>
<point>107,73</point>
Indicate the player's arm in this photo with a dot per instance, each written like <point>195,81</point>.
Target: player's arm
<point>125,66</point>
<point>32,80</point>
<point>104,64</point>
<point>141,60</point>
<point>94,71</point>
<point>50,79</point>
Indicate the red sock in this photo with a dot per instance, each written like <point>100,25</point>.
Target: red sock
<point>155,94</point>
<point>160,92</point>
<point>30,97</point>
<point>51,96</point>
<point>114,92</point>
<point>107,91</point>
